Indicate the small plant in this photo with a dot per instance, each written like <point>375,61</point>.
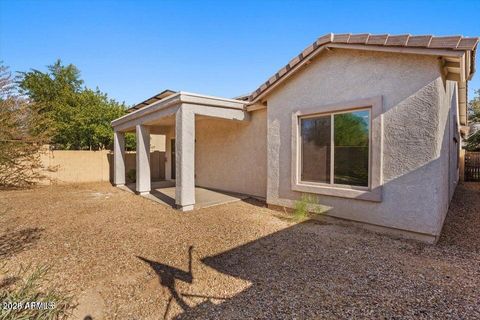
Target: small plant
<point>132,175</point>
<point>306,204</point>
<point>25,296</point>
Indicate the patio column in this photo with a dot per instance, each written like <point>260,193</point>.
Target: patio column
<point>118,158</point>
<point>143,159</point>
<point>185,159</point>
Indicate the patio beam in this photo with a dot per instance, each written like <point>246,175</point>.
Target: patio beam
<point>143,159</point>
<point>119,158</point>
<point>185,159</point>
<point>221,113</point>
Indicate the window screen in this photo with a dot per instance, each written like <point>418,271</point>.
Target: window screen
<point>350,140</point>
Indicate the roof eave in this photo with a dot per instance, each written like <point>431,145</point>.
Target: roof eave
<point>307,60</point>
<point>179,98</point>
<point>426,44</point>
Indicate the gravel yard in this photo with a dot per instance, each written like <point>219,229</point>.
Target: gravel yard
<point>126,257</point>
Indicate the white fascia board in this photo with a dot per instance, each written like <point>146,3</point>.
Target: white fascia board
<point>177,99</point>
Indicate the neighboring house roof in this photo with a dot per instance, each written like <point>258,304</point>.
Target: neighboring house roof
<point>155,98</point>
<point>453,43</point>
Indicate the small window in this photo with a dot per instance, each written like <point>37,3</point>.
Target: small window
<point>335,148</point>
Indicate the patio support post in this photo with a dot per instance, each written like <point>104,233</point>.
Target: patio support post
<point>143,159</point>
<point>185,159</point>
<point>119,158</point>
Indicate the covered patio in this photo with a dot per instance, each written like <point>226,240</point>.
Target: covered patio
<point>173,116</point>
<point>163,192</point>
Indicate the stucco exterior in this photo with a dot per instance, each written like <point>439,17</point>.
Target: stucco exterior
<point>229,156</point>
<point>416,104</point>
<point>410,90</point>
<point>233,156</point>
<point>79,166</point>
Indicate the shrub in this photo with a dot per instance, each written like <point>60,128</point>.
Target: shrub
<point>307,203</point>
<point>20,145</point>
<point>132,175</point>
<point>27,286</point>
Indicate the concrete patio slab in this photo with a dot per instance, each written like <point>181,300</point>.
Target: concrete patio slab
<point>163,192</point>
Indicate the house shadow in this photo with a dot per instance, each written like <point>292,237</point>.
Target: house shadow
<point>462,223</point>
<point>163,197</point>
<point>158,193</point>
<point>12,243</point>
<point>292,275</point>
<point>255,202</point>
<point>315,270</point>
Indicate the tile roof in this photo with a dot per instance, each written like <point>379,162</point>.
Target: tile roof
<point>457,43</point>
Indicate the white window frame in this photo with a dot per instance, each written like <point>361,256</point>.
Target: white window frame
<point>374,190</point>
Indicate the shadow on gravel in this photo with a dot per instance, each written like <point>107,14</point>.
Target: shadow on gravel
<point>15,242</point>
<point>169,275</point>
<point>255,202</point>
<point>462,224</point>
<point>312,270</point>
<point>307,271</point>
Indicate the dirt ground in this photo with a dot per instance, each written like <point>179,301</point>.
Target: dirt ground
<point>125,257</point>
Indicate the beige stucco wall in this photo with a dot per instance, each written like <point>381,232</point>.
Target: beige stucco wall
<point>450,147</point>
<point>454,137</point>
<point>415,148</point>
<point>75,166</point>
<point>157,142</point>
<point>72,166</point>
<point>232,155</point>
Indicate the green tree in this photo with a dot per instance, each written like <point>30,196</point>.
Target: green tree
<point>78,117</point>
<point>473,141</point>
<point>351,148</point>
<point>474,108</point>
<point>351,129</point>
<point>53,92</point>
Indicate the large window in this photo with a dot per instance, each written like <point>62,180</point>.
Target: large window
<point>335,148</point>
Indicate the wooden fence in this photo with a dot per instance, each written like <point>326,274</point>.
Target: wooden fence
<point>472,166</point>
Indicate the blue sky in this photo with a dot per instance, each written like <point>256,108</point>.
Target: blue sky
<point>134,49</point>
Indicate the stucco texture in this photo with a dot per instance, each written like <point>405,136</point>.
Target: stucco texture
<point>416,115</point>
<point>232,155</point>
<point>79,166</point>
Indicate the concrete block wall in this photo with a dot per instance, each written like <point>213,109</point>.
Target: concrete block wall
<point>78,166</point>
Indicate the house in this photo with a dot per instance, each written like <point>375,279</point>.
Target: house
<point>370,124</point>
